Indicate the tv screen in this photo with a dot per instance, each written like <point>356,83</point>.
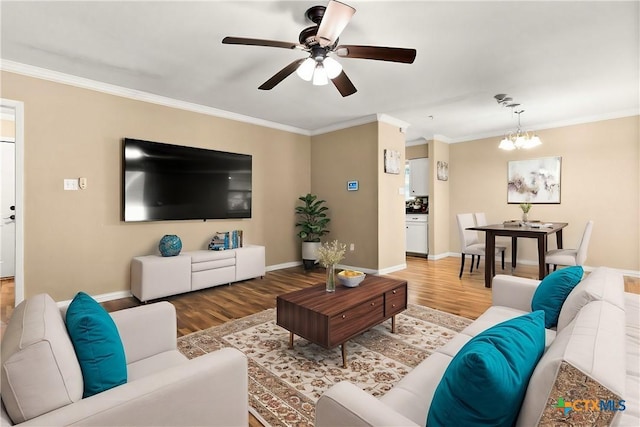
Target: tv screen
<point>172,182</point>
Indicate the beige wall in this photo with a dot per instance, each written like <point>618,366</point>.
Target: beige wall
<point>391,207</point>
<point>439,200</point>
<point>7,129</point>
<point>338,157</point>
<point>600,181</point>
<point>371,218</point>
<point>75,240</point>
<point>417,151</point>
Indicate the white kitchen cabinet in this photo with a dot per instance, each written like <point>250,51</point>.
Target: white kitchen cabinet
<point>419,177</point>
<point>416,234</point>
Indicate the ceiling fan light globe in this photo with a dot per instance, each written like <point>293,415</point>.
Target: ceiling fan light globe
<point>320,76</point>
<point>332,67</point>
<point>305,70</point>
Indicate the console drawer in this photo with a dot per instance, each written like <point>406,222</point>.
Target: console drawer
<point>355,320</point>
<point>395,301</point>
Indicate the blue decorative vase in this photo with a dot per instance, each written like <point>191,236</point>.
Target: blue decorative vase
<point>170,245</point>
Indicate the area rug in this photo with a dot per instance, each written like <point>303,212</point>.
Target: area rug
<point>285,384</point>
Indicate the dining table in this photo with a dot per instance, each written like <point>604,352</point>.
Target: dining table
<point>539,231</point>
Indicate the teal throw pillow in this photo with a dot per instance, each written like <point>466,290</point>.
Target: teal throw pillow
<point>485,383</point>
<point>552,292</point>
<point>97,344</point>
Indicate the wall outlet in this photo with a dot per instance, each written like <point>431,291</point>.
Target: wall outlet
<point>352,247</point>
<point>83,183</point>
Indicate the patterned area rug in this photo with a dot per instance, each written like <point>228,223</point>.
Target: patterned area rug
<point>285,384</point>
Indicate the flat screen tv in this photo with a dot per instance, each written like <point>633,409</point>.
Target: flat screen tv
<point>172,182</point>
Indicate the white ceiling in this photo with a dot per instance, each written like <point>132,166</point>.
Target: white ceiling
<point>565,62</point>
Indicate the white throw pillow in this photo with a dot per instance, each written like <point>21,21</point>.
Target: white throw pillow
<point>603,284</point>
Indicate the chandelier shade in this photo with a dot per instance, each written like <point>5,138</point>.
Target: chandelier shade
<point>518,139</point>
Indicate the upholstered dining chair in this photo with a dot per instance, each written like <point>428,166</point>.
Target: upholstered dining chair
<point>570,256</point>
<point>470,243</point>
<point>481,219</point>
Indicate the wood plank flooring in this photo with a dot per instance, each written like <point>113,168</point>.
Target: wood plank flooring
<point>431,283</point>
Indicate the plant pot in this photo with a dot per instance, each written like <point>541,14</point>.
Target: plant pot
<point>310,254</point>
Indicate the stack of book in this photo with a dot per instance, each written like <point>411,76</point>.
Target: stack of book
<point>226,240</point>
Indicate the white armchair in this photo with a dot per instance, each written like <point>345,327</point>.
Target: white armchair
<point>42,382</point>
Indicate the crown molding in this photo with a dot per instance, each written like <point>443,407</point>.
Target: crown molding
<point>553,125</point>
<point>385,118</point>
<point>345,125</point>
<point>68,79</point>
<point>442,138</point>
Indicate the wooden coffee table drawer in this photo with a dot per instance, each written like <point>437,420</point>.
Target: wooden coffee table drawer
<point>331,319</point>
<point>395,301</point>
<point>356,319</point>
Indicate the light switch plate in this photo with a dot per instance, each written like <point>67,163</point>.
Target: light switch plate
<point>70,184</point>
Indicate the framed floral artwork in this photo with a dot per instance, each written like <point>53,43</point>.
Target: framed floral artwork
<point>534,181</point>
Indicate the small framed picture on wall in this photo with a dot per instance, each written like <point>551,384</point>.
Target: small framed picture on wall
<point>392,161</point>
<point>442,170</point>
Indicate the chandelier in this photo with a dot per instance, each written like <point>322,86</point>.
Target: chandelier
<point>518,139</point>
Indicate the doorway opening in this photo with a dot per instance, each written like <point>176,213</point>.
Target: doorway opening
<point>11,207</point>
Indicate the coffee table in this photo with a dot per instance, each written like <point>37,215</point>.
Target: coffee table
<point>331,319</point>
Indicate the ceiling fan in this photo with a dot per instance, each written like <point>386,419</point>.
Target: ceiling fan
<point>321,41</point>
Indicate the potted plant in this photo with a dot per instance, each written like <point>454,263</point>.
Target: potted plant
<point>312,220</point>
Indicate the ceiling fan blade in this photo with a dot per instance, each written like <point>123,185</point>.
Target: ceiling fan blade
<point>335,19</point>
<point>380,53</point>
<point>281,75</point>
<point>259,42</point>
<point>344,85</point>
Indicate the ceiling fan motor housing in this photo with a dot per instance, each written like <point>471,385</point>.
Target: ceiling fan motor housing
<point>315,14</point>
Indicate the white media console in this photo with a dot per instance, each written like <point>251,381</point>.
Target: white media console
<point>154,276</point>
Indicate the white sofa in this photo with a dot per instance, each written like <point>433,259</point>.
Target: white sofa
<point>42,381</point>
<point>594,353</point>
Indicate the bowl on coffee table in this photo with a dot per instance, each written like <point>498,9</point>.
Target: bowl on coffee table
<point>351,278</point>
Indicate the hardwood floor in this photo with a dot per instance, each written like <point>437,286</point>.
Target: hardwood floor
<point>433,284</point>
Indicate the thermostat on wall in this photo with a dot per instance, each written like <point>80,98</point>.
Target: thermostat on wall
<point>352,185</point>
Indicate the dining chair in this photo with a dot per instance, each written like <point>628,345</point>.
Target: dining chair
<point>570,256</point>
<point>481,219</point>
<point>470,243</point>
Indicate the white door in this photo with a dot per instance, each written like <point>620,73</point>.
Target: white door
<point>12,193</point>
<point>7,197</point>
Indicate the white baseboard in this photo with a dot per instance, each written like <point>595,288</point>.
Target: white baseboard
<point>436,257</point>
<point>393,268</point>
<point>283,265</point>
<point>100,298</point>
